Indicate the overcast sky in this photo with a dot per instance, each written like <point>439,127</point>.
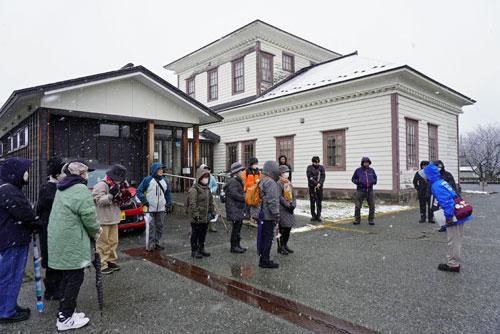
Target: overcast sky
<point>454,42</point>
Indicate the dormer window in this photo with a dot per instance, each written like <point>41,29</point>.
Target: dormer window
<point>266,67</point>
<point>288,62</point>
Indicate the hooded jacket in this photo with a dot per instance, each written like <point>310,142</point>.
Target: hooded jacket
<point>287,201</point>
<point>108,211</point>
<point>154,191</point>
<point>270,191</point>
<point>364,178</point>
<point>72,223</point>
<point>16,213</point>
<point>443,193</point>
<point>200,200</point>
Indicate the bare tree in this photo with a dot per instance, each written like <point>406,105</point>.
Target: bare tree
<point>481,150</point>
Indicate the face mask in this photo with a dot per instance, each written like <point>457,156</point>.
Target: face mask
<point>255,166</point>
<point>60,177</point>
<point>316,166</point>
<point>204,181</point>
<point>26,177</point>
<point>285,175</point>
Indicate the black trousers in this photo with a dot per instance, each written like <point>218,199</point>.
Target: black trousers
<point>198,236</point>
<point>361,196</point>
<point>52,282</point>
<point>71,281</point>
<point>267,235</point>
<point>315,198</point>
<point>425,209</point>
<point>236,233</point>
<point>285,235</point>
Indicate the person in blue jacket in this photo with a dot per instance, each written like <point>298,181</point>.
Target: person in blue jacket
<point>445,196</point>
<point>154,193</point>
<point>364,178</point>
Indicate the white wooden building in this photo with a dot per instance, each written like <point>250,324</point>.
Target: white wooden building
<point>280,94</point>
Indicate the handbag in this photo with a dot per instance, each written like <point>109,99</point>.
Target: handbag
<point>463,209</point>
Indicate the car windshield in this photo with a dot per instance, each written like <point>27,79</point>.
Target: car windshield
<point>96,176</point>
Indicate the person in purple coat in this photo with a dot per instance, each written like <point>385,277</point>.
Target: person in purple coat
<point>364,178</point>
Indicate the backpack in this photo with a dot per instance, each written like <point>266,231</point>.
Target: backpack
<point>253,197</point>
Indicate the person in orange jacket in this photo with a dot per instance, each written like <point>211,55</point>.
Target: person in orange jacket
<point>250,176</point>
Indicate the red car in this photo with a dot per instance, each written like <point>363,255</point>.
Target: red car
<point>132,215</point>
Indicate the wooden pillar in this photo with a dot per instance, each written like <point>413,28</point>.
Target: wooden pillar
<point>150,140</point>
<point>196,148</point>
<point>185,152</point>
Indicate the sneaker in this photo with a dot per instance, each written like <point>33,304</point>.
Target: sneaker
<point>113,266</point>
<point>107,271</point>
<point>214,220</point>
<point>371,222</point>
<point>75,315</point>
<point>268,264</point>
<point>19,316</point>
<point>442,229</point>
<point>446,267</point>
<point>72,322</point>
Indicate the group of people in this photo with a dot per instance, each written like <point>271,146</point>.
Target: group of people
<point>70,219</point>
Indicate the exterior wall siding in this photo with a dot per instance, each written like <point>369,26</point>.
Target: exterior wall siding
<point>368,124</point>
<point>447,136</point>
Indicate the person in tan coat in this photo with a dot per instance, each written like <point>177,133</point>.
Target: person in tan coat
<point>108,195</point>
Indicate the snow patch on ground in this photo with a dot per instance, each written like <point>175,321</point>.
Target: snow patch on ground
<point>338,210</point>
<point>475,192</point>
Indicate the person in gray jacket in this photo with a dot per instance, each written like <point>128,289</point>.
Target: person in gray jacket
<point>235,205</point>
<point>270,211</point>
<point>287,206</point>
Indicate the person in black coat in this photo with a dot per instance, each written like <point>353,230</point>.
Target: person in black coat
<point>235,205</point>
<point>424,194</point>
<point>315,179</point>
<point>46,196</point>
<point>283,160</point>
<point>17,222</point>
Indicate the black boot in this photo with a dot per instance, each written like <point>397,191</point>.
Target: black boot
<point>281,250</point>
<point>196,254</point>
<point>202,252</point>
<point>422,219</point>
<point>19,316</point>
<point>268,264</point>
<point>288,249</point>
<point>237,249</point>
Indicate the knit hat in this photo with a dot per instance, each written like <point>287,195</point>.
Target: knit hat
<point>117,173</point>
<point>76,167</point>
<point>284,169</point>
<point>236,168</point>
<point>54,166</point>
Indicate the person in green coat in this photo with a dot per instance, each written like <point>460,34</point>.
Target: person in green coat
<point>72,223</point>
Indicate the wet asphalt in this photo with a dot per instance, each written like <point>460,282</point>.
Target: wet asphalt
<point>382,277</point>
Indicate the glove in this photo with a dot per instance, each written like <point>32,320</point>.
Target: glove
<point>114,190</point>
<point>291,208</point>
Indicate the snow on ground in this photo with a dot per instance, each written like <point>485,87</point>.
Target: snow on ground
<point>475,192</point>
<point>338,210</point>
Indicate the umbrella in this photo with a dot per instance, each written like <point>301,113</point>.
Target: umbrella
<point>38,275</point>
<point>260,222</point>
<point>98,278</point>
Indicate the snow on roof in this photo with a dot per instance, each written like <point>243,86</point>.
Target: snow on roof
<point>333,71</point>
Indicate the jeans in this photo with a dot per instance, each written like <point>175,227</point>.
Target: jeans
<point>266,240</point>
<point>12,263</point>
